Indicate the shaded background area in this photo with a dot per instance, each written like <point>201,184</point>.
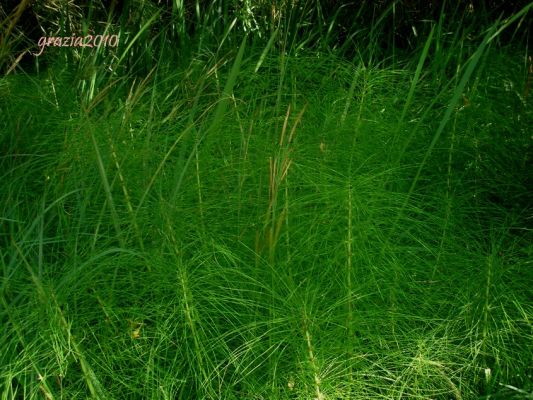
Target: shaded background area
<point>379,29</point>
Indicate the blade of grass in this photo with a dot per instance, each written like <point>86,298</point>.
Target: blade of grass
<point>416,78</point>
<point>107,187</point>
<point>457,93</point>
<point>266,50</point>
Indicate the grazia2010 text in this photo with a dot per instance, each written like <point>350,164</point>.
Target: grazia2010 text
<point>77,41</point>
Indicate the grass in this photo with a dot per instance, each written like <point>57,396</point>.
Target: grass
<point>263,219</point>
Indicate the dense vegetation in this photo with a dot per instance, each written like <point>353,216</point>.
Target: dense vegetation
<point>267,200</point>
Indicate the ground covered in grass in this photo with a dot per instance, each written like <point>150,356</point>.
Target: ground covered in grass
<point>252,223</point>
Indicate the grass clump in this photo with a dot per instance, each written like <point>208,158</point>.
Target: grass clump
<point>266,218</point>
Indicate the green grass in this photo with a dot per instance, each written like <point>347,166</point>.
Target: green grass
<point>262,221</point>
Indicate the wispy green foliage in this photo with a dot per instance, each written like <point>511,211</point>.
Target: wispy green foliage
<point>237,204</point>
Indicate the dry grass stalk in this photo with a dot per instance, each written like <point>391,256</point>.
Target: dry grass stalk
<point>278,171</point>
